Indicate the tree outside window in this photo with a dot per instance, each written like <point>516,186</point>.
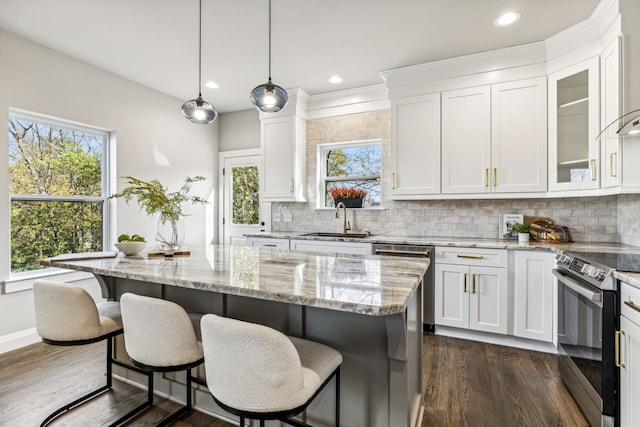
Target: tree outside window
<point>56,183</point>
<point>352,165</point>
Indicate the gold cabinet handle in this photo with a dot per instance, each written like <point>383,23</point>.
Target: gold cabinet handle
<point>486,177</point>
<point>473,280</point>
<point>268,245</point>
<point>393,180</point>
<point>465,282</point>
<point>611,165</point>
<point>495,177</point>
<point>470,256</point>
<point>618,364</point>
<point>632,305</point>
<point>592,169</point>
<point>291,185</point>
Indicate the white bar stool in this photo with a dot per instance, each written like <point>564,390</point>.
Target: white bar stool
<point>159,337</point>
<point>66,315</point>
<point>259,373</point>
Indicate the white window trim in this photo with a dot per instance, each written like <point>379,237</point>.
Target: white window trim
<point>18,282</point>
<point>320,167</point>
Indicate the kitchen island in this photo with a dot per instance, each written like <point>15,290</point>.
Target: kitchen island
<point>367,307</point>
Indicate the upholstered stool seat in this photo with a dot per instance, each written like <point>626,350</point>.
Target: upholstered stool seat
<point>256,372</point>
<point>67,315</point>
<point>159,336</point>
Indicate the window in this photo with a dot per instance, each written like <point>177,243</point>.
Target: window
<point>350,165</point>
<point>57,179</point>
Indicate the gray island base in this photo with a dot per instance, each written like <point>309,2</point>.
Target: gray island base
<point>367,307</point>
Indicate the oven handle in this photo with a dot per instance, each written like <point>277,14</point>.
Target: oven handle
<point>570,283</point>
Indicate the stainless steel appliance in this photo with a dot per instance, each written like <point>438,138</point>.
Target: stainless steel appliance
<point>428,285</point>
<point>587,322</point>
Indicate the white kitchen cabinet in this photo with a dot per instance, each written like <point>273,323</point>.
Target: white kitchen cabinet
<point>283,159</point>
<point>574,123</point>
<point>415,146</point>
<point>494,138</point>
<point>466,140</point>
<point>471,289</point>
<point>533,289</point>
<point>629,355</point>
<point>330,246</point>
<point>268,242</point>
<point>610,110</point>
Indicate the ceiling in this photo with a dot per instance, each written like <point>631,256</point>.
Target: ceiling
<point>155,42</point>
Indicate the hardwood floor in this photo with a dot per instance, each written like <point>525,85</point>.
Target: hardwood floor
<point>466,384</point>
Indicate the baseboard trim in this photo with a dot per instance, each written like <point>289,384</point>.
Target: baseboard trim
<point>18,340</point>
<point>505,340</point>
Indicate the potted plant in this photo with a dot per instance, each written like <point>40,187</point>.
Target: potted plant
<point>523,232</point>
<point>154,199</point>
<point>351,197</point>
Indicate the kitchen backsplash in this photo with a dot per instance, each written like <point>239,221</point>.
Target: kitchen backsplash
<point>590,219</point>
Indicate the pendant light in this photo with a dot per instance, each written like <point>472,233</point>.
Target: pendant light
<point>269,97</point>
<point>198,110</point>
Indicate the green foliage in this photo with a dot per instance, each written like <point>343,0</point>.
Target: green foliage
<point>246,195</point>
<point>520,228</point>
<point>154,198</point>
<point>47,161</point>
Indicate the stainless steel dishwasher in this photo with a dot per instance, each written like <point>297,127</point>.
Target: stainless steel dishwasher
<point>416,251</point>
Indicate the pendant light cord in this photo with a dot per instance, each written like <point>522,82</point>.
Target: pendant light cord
<point>200,51</point>
<point>269,40</point>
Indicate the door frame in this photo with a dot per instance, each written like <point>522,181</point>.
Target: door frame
<point>265,208</point>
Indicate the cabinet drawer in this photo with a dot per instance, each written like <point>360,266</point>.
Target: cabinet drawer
<point>268,242</point>
<point>471,256</point>
<point>630,302</point>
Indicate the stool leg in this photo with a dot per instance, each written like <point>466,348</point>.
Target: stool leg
<point>241,421</point>
<point>338,397</point>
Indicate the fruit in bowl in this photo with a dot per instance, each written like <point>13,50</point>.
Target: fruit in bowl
<point>131,244</point>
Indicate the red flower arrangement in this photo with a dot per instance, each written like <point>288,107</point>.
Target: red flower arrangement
<point>347,193</point>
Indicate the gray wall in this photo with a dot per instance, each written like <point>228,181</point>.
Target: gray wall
<point>240,130</point>
<point>154,140</point>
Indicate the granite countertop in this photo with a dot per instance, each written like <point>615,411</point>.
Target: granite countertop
<point>370,285</point>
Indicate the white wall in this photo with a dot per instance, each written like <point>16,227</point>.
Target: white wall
<point>240,130</point>
<point>154,140</point>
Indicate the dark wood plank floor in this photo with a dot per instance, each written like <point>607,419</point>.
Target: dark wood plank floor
<point>466,384</point>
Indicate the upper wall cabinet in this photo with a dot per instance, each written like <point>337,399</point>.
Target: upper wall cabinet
<point>610,110</point>
<point>415,147</point>
<point>574,123</point>
<point>283,141</point>
<point>494,138</point>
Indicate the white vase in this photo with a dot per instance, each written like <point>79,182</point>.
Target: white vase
<point>169,234</point>
<point>523,237</point>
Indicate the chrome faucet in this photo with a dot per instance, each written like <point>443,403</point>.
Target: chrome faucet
<point>346,225</point>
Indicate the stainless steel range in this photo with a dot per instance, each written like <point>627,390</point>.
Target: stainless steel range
<point>587,323</point>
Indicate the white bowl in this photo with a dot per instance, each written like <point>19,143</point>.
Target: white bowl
<point>131,248</point>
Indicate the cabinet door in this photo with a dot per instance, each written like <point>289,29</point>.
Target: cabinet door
<point>630,374</point>
<point>488,299</point>
<point>283,156</point>
<point>610,110</point>
<point>415,146</point>
<point>466,140</point>
<point>451,297</point>
<point>574,155</point>
<point>519,136</point>
<point>533,295</point>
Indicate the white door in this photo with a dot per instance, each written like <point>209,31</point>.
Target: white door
<point>630,373</point>
<point>241,209</point>
<point>452,295</point>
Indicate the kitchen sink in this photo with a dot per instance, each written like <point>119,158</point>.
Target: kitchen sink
<point>352,235</point>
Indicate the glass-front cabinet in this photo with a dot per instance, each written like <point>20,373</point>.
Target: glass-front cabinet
<point>574,123</point>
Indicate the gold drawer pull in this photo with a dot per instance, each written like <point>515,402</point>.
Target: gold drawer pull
<point>291,185</point>
<point>269,245</point>
<point>465,282</point>
<point>470,256</point>
<point>592,169</point>
<point>393,180</point>
<point>611,165</point>
<point>618,364</point>
<point>486,177</point>
<point>632,305</point>
<point>473,280</point>
<point>495,177</point>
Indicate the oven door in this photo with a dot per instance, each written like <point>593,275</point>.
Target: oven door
<point>586,333</point>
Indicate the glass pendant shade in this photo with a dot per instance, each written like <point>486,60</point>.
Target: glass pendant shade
<point>269,98</point>
<point>199,111</point>
<point>625,125</point>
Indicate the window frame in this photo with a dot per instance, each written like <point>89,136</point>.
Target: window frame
<point>23,279</point>
<point>321,169</point>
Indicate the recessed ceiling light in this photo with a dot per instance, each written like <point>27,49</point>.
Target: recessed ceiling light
<point>335,79</point>
<point>507,19</point>
<point>211,85</point>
